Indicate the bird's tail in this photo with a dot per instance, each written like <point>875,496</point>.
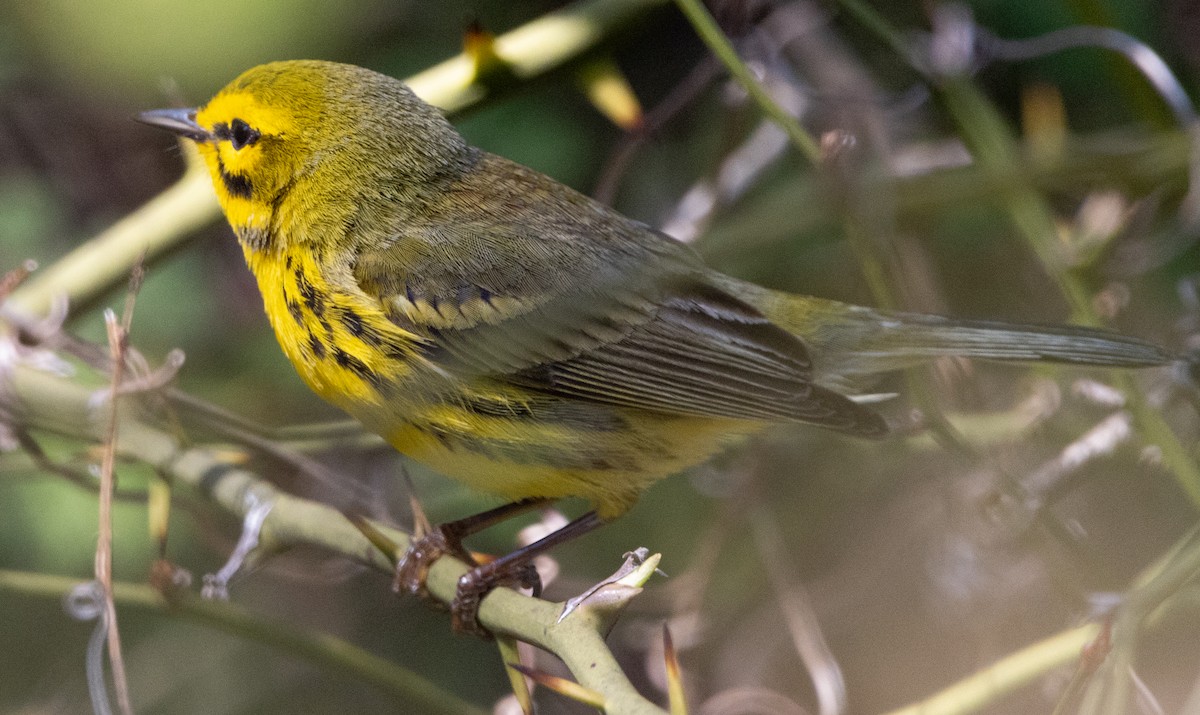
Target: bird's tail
<point>849,341</point>
<point>927,336</point>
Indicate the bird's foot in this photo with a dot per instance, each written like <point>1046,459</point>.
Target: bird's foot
<point>412,571</point>
<point>480,581</point>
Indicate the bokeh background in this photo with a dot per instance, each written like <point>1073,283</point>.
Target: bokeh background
<point>917,568</point>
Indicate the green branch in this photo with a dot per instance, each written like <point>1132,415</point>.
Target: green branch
<point>706,27</point>
<point>1015,671</point>
<point>408,688</point>
<point>39,400</point>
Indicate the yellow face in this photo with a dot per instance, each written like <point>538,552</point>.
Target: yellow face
<point>296,148</point>
<point>251,154</point>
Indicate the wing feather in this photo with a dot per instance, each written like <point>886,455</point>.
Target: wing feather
<point>634,320</point>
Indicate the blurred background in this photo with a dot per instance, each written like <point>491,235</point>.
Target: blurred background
<point>916,562</point>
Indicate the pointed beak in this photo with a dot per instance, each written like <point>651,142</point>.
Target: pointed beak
<point>176,121</point>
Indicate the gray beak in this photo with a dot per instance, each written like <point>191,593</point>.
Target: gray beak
<point>176,121</point>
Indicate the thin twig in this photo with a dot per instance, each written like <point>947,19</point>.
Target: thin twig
<point>802,623</point>
<point>708,30</point>
<point>680,97</point>
<point>410,690</point>
<point>118,343</point>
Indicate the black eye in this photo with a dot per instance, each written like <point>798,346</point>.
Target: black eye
<point>242,134</point>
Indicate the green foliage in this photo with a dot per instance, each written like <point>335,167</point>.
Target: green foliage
<point>923,563</point>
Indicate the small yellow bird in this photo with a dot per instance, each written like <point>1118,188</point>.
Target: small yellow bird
<point>516,335</point>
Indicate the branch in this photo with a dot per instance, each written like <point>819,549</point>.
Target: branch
<point>708,30</point>
<point>39,400</point>
<point>1006,675</point>
<point>325,650</point>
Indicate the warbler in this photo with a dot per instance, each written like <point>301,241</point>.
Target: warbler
<point>516,335</point>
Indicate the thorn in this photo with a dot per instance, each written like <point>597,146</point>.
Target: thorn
<point>158,512</point>
<point>612,593</point>
<point>168,578</point>
<point>421,523</point>
<point>675,695</point>
<point>510,653</point>
<point>478,42</point>
<point>562,686</point>
<point>378,539</point>
<point>479,46</point>
<point>1044,120</point>
<point>1095,651</point>
<point>14,278</point>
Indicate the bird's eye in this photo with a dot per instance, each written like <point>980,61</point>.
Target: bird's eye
<point>242,134</point>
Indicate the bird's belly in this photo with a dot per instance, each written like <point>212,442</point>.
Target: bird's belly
<point>519,458</point>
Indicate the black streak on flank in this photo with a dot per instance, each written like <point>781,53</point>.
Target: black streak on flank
<point>353,323</point>
<point>359,329</point>
<point>358,367</point>
<point>317,347</point>
<point>296,312</point>
<point>313,299</point>
<point>237,185</point>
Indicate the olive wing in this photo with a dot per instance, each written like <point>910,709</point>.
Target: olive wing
<point>639,329</point>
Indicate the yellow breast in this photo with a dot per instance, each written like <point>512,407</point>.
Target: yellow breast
<point>338,339</point>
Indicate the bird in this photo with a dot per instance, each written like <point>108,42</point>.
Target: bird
<point>516,335</point>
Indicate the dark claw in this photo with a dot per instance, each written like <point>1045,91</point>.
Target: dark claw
<point>479,582</point>
<point>529,578</point>
<point>464,611</point>
<point>413,567</point>
<point>515,569</point>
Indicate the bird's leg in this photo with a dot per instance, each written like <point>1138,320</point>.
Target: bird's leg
<point>512,568</point>
<point>432,544</point>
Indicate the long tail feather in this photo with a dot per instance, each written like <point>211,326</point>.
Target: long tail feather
<point>932,336</point>
<point>847,342</point>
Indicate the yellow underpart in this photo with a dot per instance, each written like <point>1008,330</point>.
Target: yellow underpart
<point>453,418</point>
<point>243,213</point>
<point>511,480</point>
<point>652,447</point>
<point>301,320</point>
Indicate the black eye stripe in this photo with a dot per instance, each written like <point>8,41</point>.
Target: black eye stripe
<point>238,133</point>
